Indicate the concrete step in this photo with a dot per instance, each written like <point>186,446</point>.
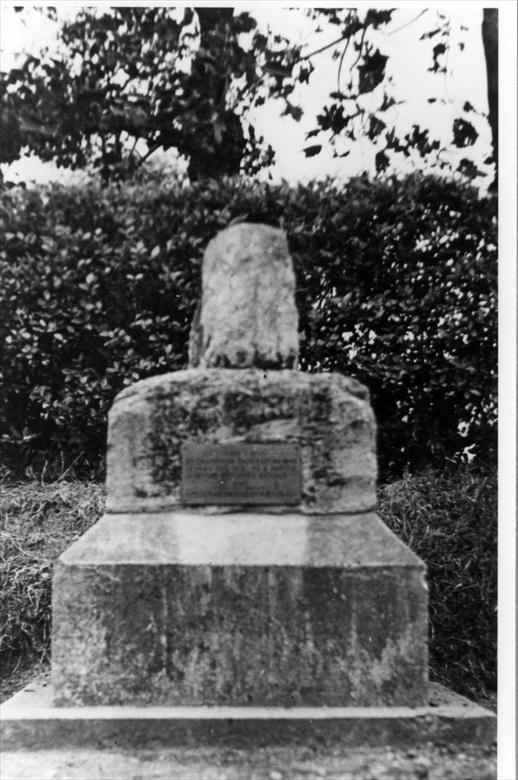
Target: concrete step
<point>29,721</point>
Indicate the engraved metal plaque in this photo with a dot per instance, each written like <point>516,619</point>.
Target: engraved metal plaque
<point>241,474</point>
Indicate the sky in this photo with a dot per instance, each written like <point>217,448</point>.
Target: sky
<point>409,59</point>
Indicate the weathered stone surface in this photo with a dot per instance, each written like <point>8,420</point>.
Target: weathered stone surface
<point>241,609</point>
<point>247,315</point>
<point>327,415</point>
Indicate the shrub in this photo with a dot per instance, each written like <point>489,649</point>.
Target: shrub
<point>449,519</point>
<point>396,286</point>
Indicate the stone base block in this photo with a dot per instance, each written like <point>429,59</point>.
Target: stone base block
<point>327,416</point>
<point>239,609</point>
<point>31,722</point>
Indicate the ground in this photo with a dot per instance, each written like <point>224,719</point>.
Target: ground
<point>286,763</point>
<point>291,762</point>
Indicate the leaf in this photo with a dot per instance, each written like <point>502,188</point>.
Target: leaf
<point>305,73</point>
<point>381,161</point>
<point>371,72</point>
<point>311,151</point>
<point>388,102</point>
<point>293,111</point>
<point>376,126</point>
<point>469,169</point>
<point>438,50</point>
<point>430,34</point>
<point>464,134</point>
<point>378,17</point>
<point>419,139</point>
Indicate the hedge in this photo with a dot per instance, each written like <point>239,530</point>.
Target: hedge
<point>396,286</point>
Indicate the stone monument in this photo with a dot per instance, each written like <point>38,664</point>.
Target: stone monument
<point>241,574</point>
<point>241,560</point>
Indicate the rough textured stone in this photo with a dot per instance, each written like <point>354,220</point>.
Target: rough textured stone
<point>327,415</point>
<point>242,609</point>
<point>247,315</point>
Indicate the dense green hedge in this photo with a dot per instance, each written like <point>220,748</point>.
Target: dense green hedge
<point>396,286</point>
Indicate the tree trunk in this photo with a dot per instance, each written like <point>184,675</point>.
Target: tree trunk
<point>218,150</point>
<point>490,41</point>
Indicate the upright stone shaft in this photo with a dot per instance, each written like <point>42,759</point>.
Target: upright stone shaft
<point>247,315</point>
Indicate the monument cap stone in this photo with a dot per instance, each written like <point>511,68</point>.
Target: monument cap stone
<point>247,316</point>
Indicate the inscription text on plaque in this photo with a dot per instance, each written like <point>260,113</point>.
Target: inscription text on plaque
<point>241,473</point>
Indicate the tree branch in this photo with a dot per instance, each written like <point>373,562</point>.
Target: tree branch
<point>407,24</point>
<point>341,63</point>
<point>362,39</point>
<point>149,152</point>
<point>323,48</point>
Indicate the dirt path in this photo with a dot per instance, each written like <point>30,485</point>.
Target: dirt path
<point>262,764</point>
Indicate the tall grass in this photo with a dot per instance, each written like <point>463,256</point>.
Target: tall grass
<point>449,519</point>
<point>37,523</point>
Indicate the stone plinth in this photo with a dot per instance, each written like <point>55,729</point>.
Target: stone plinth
<point>327,416</point>
<point>30,721</point>
<point>242,609</point>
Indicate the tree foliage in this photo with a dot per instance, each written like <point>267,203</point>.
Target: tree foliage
<point>396,286</point>
<point>128,81</point>
<point>363,103</point>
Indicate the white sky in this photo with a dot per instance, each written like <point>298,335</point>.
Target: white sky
<point>409,59</point>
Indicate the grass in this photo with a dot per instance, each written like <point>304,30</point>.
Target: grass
<point>38,522</point>
<point>448,518</point>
